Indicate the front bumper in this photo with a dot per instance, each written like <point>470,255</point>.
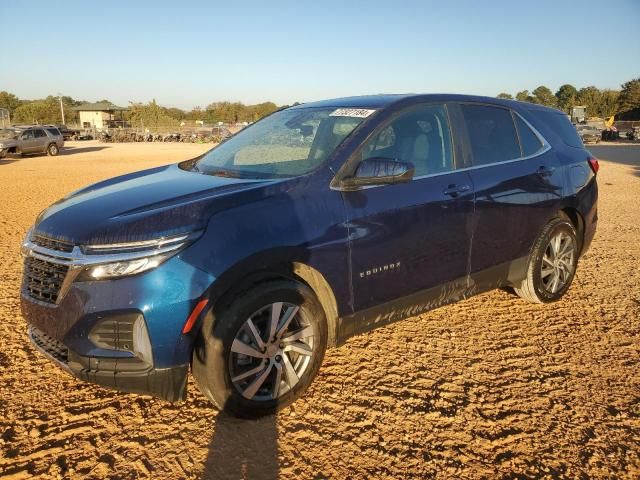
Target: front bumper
<point>126,374</point>
<point>124,333</point>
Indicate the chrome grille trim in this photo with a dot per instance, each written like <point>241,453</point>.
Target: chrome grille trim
<point>51,243</point>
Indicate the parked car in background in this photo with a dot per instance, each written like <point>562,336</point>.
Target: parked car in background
<point>589,133</point>
<point>634,134</point>
<point>68,133</point>
<point>217,133</point>
<point>31,139</point>
<point>317,223</point>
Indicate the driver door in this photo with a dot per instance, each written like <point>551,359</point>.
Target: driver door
<point>28,141</point>
<point>410,237</point>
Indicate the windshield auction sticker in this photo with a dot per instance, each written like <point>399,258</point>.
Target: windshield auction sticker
<point>351,112</point>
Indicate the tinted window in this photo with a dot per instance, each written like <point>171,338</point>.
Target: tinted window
<point>53,131</point>
<point>560,124</point>
<point>40,133</point>
<point>27,135</point>
<point>419,136</point>
<point>528,140</point>
<point>492,134</point>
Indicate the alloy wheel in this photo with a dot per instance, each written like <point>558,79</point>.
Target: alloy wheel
<point>558,262</point>
<point>271,352</point>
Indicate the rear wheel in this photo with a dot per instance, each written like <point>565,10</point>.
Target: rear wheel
<point>552,263</point>
<point>52,150</point>
<point>262,350</point>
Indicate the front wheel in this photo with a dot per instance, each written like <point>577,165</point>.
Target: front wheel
<point>552,263</point>
<point>52,150</point>
<point>262,350</point>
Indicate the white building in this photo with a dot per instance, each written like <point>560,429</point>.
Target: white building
<point>100,115</point>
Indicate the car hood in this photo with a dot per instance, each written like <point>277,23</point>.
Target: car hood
<point>144,205</point>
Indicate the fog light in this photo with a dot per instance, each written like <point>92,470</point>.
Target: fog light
<point>141,342</point>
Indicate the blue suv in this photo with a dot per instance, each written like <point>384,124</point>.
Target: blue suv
<point>314,224</point>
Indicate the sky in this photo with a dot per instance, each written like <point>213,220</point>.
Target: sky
<point>192,53</point>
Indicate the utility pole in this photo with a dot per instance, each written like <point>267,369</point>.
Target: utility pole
<point>61,107</point>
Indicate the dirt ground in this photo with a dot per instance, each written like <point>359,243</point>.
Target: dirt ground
<point>491,387</point>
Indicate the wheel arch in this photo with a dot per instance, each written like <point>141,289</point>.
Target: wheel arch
<point>578,223</point>
<point>251,272</point>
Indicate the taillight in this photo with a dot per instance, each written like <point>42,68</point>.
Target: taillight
<point>593,163</point>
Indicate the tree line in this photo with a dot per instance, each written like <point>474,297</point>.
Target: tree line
<point>47,111</point>
<point>599,103</point>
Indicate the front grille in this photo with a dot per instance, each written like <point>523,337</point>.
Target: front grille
<point>49,345</point>
<point>52,243</point>
<point>43,279</point>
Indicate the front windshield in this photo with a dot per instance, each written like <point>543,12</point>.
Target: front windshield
<point>288,143</point>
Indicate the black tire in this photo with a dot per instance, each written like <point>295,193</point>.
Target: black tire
<point>52,150</point>
<point>533,288</point>
<point>213,358</point>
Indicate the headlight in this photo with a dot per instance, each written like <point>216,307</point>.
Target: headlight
<point>124,268</point>
<point>102,262</point>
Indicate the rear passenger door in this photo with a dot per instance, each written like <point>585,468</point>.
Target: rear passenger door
<point>41,140</point>
<point>410,236</point>
<point>517,185</point>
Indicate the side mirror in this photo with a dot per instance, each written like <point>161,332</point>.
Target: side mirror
<point>379,171</point>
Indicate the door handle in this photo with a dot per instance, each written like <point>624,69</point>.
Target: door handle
<point>455,190</point>
<point>545,171</point>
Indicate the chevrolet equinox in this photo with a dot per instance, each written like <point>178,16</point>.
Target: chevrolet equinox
<point>318,222</point>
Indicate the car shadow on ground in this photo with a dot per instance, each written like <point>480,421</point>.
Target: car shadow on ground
<point>8,160</point>
<point>243,449</point>
<point>72,150</point>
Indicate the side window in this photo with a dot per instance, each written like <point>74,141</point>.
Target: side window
<point>27,135</point>
<point>53,131</point>
<point>420,136</point>
<point>528,140</point>
<point>492,134</point>
<point>40,133</point>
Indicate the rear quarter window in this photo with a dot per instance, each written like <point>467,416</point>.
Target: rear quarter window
<point>559,123</point>
<point>53,131</point>
<point>530,142</point>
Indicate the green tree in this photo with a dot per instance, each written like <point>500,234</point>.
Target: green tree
<point>566,97</point>
<point>9,101</point>
<point>38,111</point>
<point>590,97</point>
<point>506,96</point>
<point>150,115</point>
<point>608,105</point>
<point>524,96</point>
<point>544,96</point>
<point>176,113</point>
<point>261,110</point>
<point>629,96</point>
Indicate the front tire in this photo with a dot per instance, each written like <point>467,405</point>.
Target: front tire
<point>552,263</point>
<point>52,150</point>
<point>259,352</point>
